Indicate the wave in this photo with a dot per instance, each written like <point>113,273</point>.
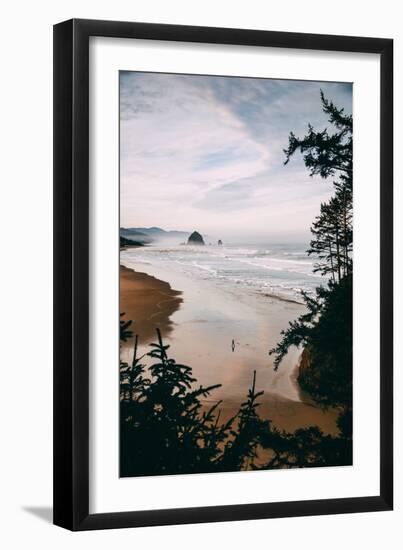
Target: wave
<point>282,270</point>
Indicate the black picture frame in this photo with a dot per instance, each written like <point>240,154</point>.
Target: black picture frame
<point>71,274</point>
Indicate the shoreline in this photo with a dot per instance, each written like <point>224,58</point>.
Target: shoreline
<point>281,298</point>
<point>200,321</point>
<point>148,302</point>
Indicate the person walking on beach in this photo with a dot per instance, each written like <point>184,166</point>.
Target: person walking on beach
<point>233,345</point>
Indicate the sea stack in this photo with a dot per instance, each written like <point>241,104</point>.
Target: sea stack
<point>195,238</point>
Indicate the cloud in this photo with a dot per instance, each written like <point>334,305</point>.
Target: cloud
<point>200,151</point>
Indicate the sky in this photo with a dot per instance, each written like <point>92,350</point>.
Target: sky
<point>206,153</point>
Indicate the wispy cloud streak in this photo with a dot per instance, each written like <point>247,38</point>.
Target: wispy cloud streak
<point>206,152</point>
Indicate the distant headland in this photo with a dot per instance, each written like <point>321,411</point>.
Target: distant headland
<point>143,236</point>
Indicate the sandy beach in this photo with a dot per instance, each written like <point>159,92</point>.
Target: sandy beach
<point>148,302</point>
<point>199,321</point>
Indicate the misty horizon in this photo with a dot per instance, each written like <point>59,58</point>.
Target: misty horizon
<point>232,239</point>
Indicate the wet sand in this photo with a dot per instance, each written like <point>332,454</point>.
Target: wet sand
<point>148,303</point>
<point>224,335</point>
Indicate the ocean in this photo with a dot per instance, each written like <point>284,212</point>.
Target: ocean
<point>283,270</point>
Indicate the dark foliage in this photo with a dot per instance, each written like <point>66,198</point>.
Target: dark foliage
<point>325,331</point>
<point>164,429</point>
<point>307,448</point>
<point>241,450</point>
<point>332,232</point>
<point>326,153</point>
<point>330,154</point>
<point>328,374</point>
<point>125,332</point>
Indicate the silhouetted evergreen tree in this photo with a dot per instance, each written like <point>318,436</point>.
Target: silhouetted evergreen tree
<point>125,332</point>
<point>324,153</point>
<point>332,242</point>
<point>241,449</point>
<point>330,154</point>
<point>325,331</point>
<point>163,429</point>
<point>306,448</point>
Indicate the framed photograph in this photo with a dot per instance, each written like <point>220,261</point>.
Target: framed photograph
<point>223,324</point>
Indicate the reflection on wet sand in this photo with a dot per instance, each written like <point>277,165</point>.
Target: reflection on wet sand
<point>224,337</point>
